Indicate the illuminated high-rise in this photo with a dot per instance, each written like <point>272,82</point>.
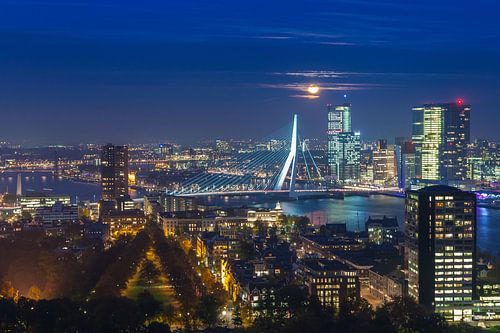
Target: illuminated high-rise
<point>405,161</point>
<point>339,118</point>
<point>441,133</point>
<point>384,164</point>
<point>114,172</point>
<point>344,145</point>
<point>440,254</point>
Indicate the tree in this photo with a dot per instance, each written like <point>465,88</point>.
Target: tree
<point>9,317</point>
<point>156,327</point>
<point>357,315</point>
<point>169,312</point>
<point>208,310</point>
<point>35,293</point>
<point>149,273</point>
<point>247,250</point>
<point>237,319</point>
<point>114,314</point>
<point>147,305</point>
<point>7,290</point>
<point>401,315</point>
<point>301,223</point>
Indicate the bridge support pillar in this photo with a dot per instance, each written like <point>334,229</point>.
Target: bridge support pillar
<point>290,163</point>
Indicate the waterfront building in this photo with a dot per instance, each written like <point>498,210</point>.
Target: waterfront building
<point>169,203</point>
<point>405,161</point>
<point>440,241</point>
<point>193,223</point>
<point>483,162</point>
<point>441,133</point>
<point>56,215</point>
<point>31,201</point>
<point>344,145</point>
<point>332,282</point>
<point>366,166</point>
<point>383,230</point>
<point>384,164</point>
<point>114,172</point>
<point>270,217</point>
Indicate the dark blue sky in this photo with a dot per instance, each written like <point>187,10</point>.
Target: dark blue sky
<point>135,71</point>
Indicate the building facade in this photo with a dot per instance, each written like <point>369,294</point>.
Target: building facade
<point>114,172</point>
<point>440,252</point>
<point>332,282</point>
<point>405,162</point>
<point>344,145</point>
<point>30,202</point>
<point>384,164</point>
<point>441,133</point>
<point>128,222</point>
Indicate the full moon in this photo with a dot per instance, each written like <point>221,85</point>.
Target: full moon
<point>313,89</point>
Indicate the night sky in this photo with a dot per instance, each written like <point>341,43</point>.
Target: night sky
<point>142,71</point>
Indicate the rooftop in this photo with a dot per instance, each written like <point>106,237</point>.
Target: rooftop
<point>325,265</point>
<point>385,221</point>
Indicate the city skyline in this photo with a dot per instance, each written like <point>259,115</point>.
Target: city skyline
<point>249,166</point>
<point>157,69</point>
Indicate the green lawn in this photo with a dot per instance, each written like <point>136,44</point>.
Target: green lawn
<point>161,290</point>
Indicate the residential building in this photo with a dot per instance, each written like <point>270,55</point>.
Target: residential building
<point>382,230</point>
<point>331,281</point>
<point>440,253</point>
<point>114,172</point>
<point>127,222</point>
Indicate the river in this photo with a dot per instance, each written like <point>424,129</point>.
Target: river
<point>355,210</point>
<point>352,210</point>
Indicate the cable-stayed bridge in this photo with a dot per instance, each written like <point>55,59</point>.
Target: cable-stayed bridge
<point>286,167</point>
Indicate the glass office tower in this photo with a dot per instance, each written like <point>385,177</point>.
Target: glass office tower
<point>441,133</point>
<point>344,145</point>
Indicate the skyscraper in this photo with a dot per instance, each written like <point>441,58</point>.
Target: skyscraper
<point>384,164</point>
<point>339,118</point>
<point>441,133</point>
<point>405,161</point>
<point>344,146</point>
<point>440,249</point>
<point>114,172</point>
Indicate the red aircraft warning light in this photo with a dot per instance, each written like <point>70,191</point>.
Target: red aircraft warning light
<point>460,101</point>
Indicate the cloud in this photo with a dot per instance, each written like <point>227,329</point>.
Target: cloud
<point>273,37</point>
<point>324,86</point>
<point>337,43</point>
<point>313,74</point>
<point>304,96</point>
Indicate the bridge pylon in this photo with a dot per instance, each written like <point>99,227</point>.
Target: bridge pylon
<point>291,162</point>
